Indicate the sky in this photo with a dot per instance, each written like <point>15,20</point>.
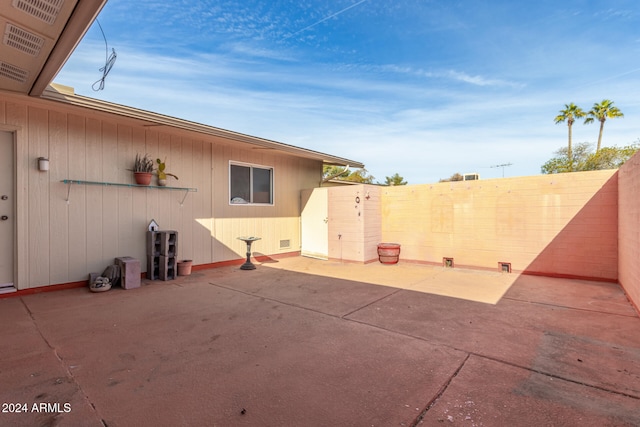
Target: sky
<point>422,88</point>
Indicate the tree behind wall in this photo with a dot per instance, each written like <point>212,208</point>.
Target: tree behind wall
<point>584,159</point>
<point>610,157</point>
<point>455,177</point>
<point>394,179</point>
<point>358,175</point>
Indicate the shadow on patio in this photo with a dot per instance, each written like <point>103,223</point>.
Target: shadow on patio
<point>288,345</point>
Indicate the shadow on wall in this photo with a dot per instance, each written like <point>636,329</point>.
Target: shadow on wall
<point>587,247</point>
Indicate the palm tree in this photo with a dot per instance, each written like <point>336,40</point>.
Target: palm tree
<point>570,113</point>
<point>601,112</point>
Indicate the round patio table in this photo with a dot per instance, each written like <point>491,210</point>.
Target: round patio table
<point>248,265</point>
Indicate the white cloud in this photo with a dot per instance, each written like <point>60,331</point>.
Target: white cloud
<point>479,80</point>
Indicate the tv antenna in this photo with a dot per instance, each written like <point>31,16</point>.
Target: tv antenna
<point>504,165</point>
<point>109,61</point>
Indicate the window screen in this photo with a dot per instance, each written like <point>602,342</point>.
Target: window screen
<point>261,185</point>
<point>250,184</point>
<point>240,184</point>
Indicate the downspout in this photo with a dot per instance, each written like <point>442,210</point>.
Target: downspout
<point>346,169</point>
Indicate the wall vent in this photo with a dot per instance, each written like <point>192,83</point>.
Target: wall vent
<point>12,72</point>
<point>22,40</point>
<point>505,267</point>
<point>45,10</point>
<point>285,244</point>
<point>447,262</point>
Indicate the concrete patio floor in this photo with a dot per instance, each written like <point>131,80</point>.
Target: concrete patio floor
<point>303,342</point>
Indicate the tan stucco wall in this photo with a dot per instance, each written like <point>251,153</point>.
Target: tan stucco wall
<point>562,225</point>
<point>629,228</point>
<point>60,243</point>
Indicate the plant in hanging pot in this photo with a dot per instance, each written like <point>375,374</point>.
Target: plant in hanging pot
<point>162,175</point>
<point>143,169</point>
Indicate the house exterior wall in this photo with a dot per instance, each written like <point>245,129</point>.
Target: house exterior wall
<point>558,225</point>
<point>59,242</point>
<point>629,228</point>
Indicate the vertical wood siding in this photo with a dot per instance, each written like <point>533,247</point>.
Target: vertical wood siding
<point>60,242</point>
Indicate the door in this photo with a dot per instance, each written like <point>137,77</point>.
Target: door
<point>7,216</point>
<point>315,223</point>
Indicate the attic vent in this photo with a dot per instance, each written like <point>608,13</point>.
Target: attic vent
<point>12,72</point>
<point>285,244</point>
<point>23,40</point>
<point>45,10</point>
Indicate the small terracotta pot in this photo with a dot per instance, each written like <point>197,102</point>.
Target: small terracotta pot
<point>184,267</point>
<point>143,178</point>
<point>389,253</point>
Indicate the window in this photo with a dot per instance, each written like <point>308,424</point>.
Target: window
<point>250,184</point>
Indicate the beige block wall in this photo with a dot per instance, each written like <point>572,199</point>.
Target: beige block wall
<point>629,228</point>
<point>60,242</point>
<point>559,225</point>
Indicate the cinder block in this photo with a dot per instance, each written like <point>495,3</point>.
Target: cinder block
<point>153,243</point>
<point>168,243</point>
<point>153,267</point>
<point>167,267</point>
<point>129,272</point>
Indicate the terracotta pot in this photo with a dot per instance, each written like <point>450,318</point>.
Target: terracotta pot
<point>184,267</point>
<point>388,253</point>
<point>143,178</point>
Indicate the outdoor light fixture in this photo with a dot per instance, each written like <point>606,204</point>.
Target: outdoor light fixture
<point>43,164</point>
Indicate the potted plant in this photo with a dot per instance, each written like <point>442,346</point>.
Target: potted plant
<point>143,169</point>
<point>162,175</point>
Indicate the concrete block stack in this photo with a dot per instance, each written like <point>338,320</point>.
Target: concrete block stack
<point>162,251</point>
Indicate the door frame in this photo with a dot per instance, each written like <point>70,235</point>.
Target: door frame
<point>18,211</point>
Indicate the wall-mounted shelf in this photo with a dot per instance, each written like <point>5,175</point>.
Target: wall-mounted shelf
<point>186,190</point>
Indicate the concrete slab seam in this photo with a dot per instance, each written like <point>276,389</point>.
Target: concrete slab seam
<point>439,394</point>
<point>274,300</point>
<point>341,317</point>
<point>546,304</point>
<point>554,376</point>
<point>371,303</point>
<point>61,361</point>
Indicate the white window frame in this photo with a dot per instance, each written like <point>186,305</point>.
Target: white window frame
<point>251,166</point>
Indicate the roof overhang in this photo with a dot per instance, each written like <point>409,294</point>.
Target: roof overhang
<point>37,39</point>
<point>66,95</point>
